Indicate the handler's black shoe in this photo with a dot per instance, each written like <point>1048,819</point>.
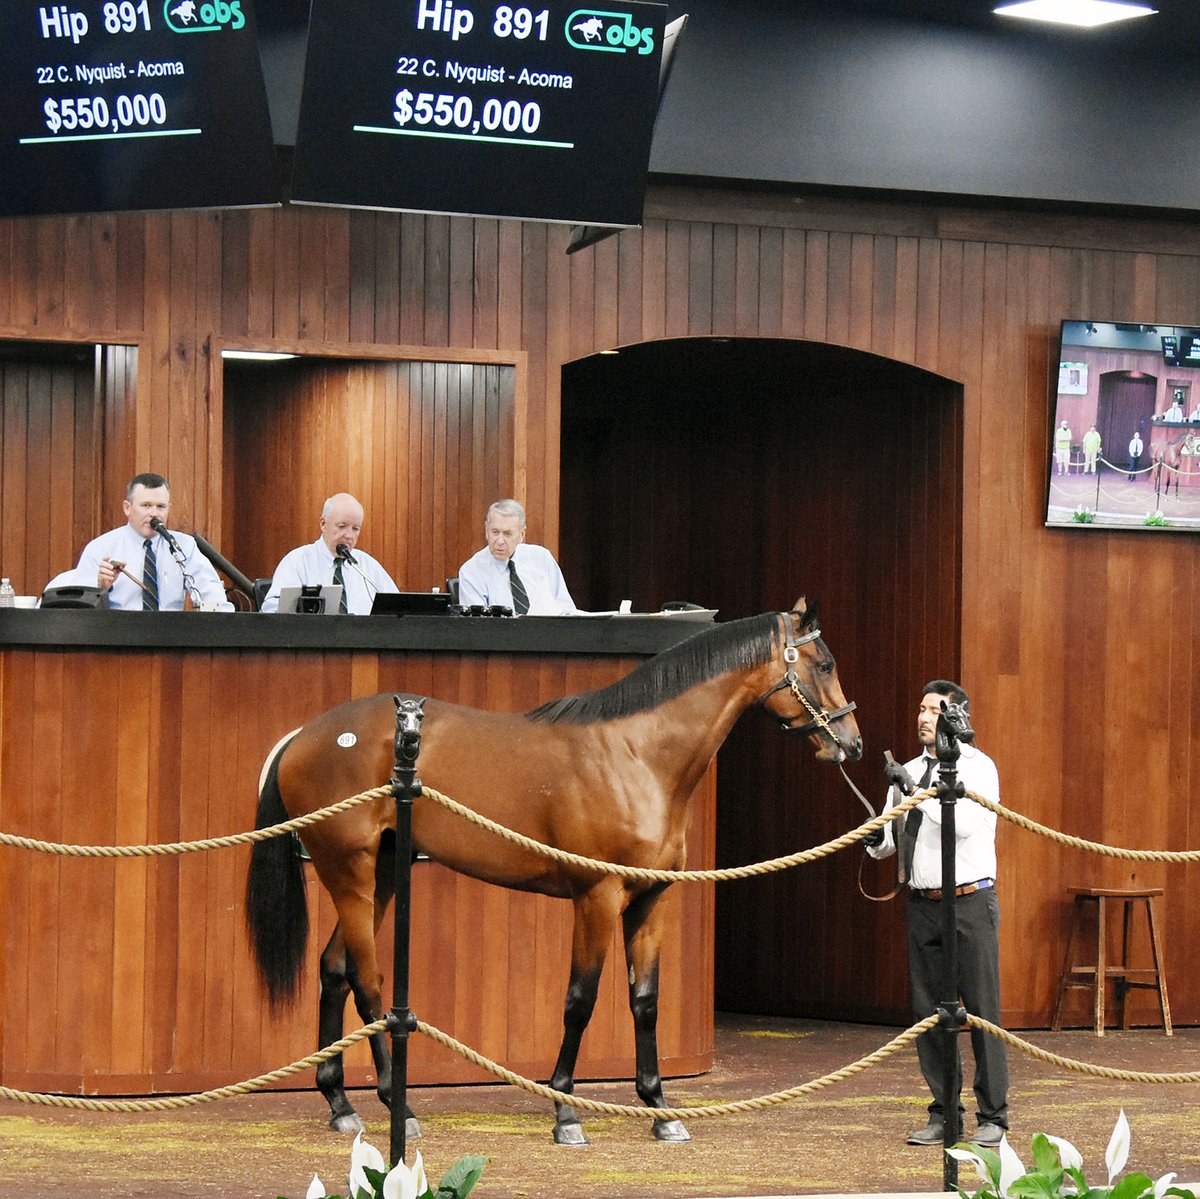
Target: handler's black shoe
<point>989,1135</point>
<point>932,1134</point>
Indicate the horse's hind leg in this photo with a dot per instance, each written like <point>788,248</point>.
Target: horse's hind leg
<point>595,914</point>
<point>643,926</point>
<point>336,970</point>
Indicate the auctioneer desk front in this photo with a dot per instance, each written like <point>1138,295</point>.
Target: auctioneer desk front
<point>134,975</point>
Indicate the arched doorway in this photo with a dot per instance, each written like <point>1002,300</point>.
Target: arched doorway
<point>1126,405</point>
<point>738,474</point>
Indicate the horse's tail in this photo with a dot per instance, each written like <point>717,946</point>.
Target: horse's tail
<point>276,904</point>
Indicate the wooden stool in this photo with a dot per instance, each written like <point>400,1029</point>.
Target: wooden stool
<point>1125,977</point>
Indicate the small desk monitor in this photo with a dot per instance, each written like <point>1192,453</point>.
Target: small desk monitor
<point>325,602</point>
<point>411,603</point>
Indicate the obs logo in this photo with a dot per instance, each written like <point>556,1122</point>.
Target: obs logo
<point>190,16</point>
<point>614,32</point>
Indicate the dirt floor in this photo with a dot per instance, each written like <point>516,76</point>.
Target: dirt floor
<point>848,1138</point>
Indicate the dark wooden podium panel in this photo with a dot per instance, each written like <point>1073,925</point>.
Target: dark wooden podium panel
<point>135,975</point>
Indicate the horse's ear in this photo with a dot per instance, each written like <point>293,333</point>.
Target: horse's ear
<point>808,612</point>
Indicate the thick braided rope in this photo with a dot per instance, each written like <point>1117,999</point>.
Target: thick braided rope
<point>1079,1067</point>
<point>169,848</point>
<point>677,876</point>
<point>1135,855</point>
<point>737,1107</point>
<point>180,1101</point>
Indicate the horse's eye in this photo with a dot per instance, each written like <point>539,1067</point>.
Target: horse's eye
<point>825,666</point>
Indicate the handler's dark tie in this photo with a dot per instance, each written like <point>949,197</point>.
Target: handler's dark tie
<point>150,579</point>
<point>912,824</point>
<point>343,607</point>
<point>519,594</point>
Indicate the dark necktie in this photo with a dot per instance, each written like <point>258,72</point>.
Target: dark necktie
<point>519,594</point>
<point>343,607</point>
<point>912,825</point>
<point>149,579</point>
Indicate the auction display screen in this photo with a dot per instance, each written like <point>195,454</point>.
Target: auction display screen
<point>480,108</point>
<point>130,104</point>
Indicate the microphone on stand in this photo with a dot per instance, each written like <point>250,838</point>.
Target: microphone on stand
<point>346,556</point>
<point>165,533</point>
<point>189,583</point>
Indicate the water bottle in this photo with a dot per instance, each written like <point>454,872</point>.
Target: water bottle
<point>7,594</point>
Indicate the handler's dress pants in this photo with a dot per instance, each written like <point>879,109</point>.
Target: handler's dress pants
<point>978,919</point>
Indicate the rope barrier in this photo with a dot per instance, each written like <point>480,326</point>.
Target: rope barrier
<point>698,1111</point>
<point>725,874</point>
<point>171,848</point>
<point>1068,1063</point>
<point>179,1101</point>
<point>1134,855</point>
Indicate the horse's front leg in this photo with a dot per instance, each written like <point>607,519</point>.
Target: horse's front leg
<point>643,923</point>
<point>595,915</point>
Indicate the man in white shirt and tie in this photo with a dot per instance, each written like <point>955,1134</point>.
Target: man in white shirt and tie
<point>333,558</point>
<point>510,572</point>
<point>146,565</point>
<point>976,910</point>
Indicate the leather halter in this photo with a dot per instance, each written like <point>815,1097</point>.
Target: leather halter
<point>820,718</point>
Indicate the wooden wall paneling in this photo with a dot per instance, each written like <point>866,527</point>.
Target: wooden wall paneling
<point>940,289</point>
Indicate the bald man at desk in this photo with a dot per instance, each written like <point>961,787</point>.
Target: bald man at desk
<point>333,558</point>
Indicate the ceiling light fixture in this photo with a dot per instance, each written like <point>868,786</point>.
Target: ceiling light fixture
<point>1085,13</point>
<point>257,355</point>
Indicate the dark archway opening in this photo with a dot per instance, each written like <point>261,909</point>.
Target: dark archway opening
<point>739,474</point>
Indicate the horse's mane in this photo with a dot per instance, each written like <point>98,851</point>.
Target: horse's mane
<point>733,646</point>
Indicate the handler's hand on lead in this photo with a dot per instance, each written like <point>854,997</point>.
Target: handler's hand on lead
<point>106,576</point>
<point>896,775</point>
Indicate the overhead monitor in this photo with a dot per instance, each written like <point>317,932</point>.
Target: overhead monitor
<point>111,105</point>
<point>451,106</point>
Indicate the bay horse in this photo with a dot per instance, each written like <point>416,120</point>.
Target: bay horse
<point>606,774</point>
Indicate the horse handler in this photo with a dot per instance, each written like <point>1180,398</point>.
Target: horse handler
<point>977,912</point>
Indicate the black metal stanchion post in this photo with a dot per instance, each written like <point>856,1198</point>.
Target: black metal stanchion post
<point>953,726</point>
<point>405,788</point>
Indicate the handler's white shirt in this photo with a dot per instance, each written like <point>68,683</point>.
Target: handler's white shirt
<point>312,565</point>
<point>974,825</point>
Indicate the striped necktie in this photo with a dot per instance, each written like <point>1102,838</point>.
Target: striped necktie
<point>150,579</point>
<point>343,607</point>
<point>519,594</point>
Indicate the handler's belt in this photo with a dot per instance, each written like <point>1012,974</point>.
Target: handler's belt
<point>980,884</point>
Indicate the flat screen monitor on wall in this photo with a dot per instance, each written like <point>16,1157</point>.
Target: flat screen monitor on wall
<point>543,112</point>
<point>1124,444</point>
<point>133,104</point>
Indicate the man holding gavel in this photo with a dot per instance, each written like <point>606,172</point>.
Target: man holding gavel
<point>146,565</point>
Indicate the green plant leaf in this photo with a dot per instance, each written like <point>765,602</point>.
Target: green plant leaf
<point>1045,1156</point>
<point>1131,1187</point>
<point>459,1181</point>
<point>1036,1185</point>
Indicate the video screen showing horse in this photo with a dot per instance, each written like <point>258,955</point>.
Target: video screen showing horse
<point>1124,446</point>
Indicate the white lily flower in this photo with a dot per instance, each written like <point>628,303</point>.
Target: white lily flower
<point>316,1189</point>
<point>405,1182</point>
<point>1010,1165</point>
<point>1069,1157</point>
<point>363,1154</point>
<point>1117,1153</point>
<point>966,1156</point>
<point>1160,1187</point>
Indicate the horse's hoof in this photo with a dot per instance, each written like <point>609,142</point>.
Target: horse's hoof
<point>412,1129</point>
<point>350,1122</point>
<point>570,1134</point>
<point>671,1130</point>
